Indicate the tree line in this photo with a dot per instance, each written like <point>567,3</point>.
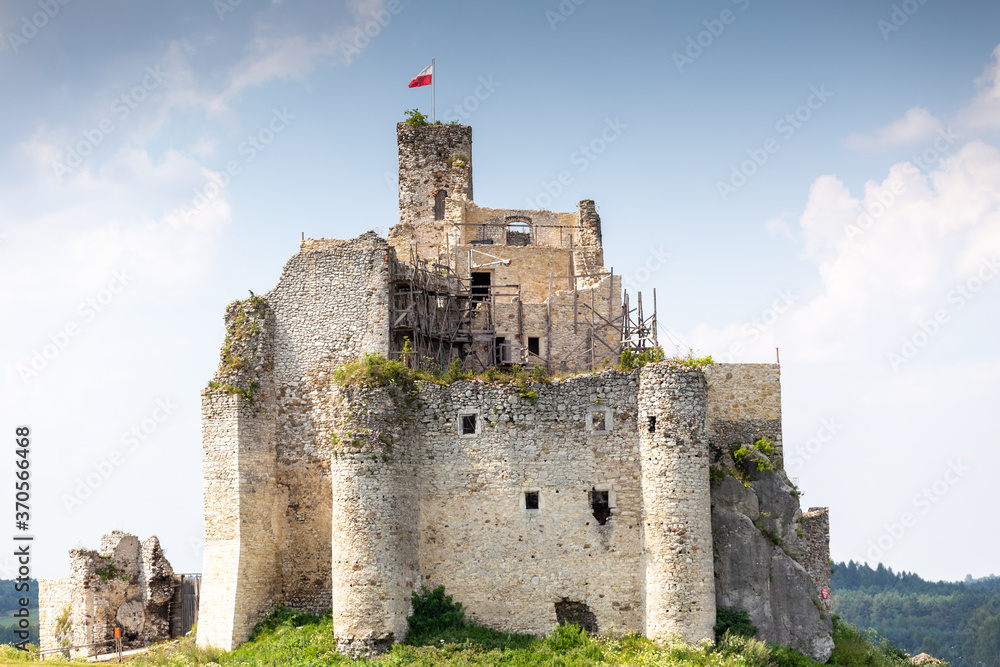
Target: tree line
<point>955,621</point>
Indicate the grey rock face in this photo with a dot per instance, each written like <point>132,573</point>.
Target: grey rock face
<point>758,549</point>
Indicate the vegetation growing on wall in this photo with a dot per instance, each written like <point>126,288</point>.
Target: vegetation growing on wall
<point>242,342</point>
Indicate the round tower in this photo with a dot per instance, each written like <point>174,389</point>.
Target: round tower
<point>375,564</point>
<point>678,567</point>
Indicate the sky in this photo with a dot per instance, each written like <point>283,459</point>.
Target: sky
<point>821,178</point>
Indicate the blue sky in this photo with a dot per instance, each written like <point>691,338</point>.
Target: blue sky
<point>122,260</point>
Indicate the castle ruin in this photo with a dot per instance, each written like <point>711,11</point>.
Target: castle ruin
<point>627,501</point>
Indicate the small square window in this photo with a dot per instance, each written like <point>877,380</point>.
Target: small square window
<point>598,421</point>
<point>531,500</point>
<point>468,424</point>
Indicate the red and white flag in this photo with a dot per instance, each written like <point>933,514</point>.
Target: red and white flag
<point>424,78</point>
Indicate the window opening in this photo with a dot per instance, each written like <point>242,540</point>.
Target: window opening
<point>600,505</point>
<point>468,424</point>
<point>481,285</point>
<point>531,500</point>
<point>533,346</point>
<point>598,421</point>
<point>439,204</point>
<point>652,424</point>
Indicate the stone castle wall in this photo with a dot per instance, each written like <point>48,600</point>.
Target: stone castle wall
<point>816,525</point>
<point>744,405</point>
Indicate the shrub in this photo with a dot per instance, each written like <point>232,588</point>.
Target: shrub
<point>374,370</point>
<point>433,612</point>
<point>415,118</point>
<point>734,621</point>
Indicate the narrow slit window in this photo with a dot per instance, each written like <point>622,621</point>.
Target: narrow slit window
<point>531,500</point>
<point>600,505</point>
<point>468,424</point>
<point>439,204</point>
<point>652,424</point>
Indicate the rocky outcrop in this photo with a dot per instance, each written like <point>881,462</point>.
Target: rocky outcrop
<point>759,551</point>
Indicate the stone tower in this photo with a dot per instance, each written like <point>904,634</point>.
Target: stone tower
<point>678,570</point>
<point>435,164</point>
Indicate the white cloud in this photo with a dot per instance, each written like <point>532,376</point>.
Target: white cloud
<point>984,110</point>
<point>918,125</point>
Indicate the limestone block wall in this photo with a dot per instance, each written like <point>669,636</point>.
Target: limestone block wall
<point>513,567</point>
<point>330,305</point>
<point>123,585</point>
<point>744,404</point>
<point>678,571</point>
<point>816,525</point>
<point>54,606</point>
<point>242,500</point>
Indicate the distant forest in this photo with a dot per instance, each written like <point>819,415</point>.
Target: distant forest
<point>9,603</point>
<point>955,621</point>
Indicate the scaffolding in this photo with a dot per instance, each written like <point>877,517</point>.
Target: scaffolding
<point>438,316</point>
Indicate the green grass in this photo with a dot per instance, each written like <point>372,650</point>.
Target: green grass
<point>298,639</point>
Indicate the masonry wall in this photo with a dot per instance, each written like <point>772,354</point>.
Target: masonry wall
<point>511,566</point>
<point>744,404</point>
<point>678,570</point>
<point>125,584</point>
<point>242,497</point>
<point>816,526</point>
<point>427,164</point>
<point>331,305</point>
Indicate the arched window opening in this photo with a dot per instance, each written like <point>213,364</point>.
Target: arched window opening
<point>439,204</point>
<point>518,233</point>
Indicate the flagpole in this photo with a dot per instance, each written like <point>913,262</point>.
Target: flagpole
<point>434,80</point>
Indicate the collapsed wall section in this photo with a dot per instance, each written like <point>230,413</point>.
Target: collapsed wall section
<point>678,582</point>
<point>125,585</point>
<point>242,500</point>
<point>816,526</point>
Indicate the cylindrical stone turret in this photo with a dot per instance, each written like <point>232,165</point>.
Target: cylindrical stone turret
<point>374,560</point>
<point>679,581</point>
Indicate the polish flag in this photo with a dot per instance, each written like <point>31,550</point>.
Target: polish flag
<point>424,78</point>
